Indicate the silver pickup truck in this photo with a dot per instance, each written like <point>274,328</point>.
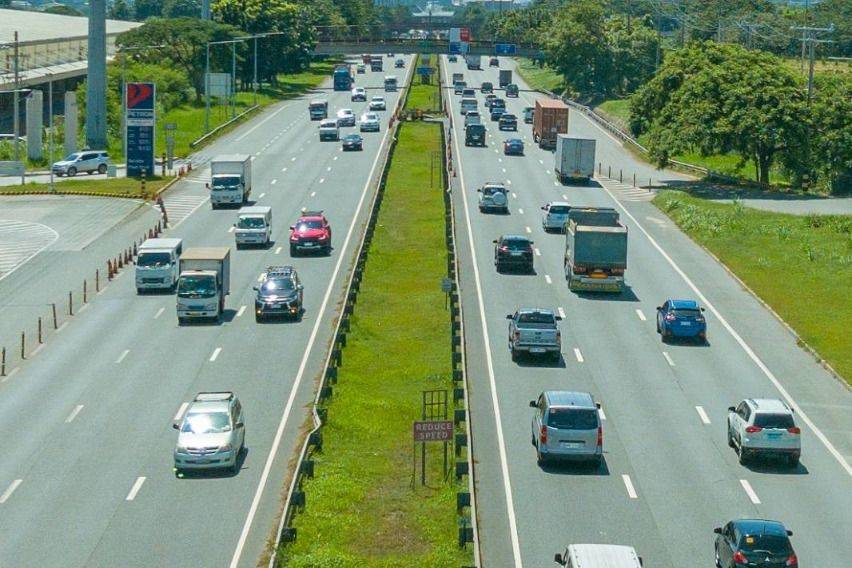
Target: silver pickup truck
<point>534,331</point>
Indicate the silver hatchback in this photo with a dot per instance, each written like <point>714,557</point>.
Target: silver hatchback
<point>567,425</point>
<point>212,433</point>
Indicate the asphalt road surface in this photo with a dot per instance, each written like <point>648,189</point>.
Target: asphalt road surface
<point>668,476</point>
<point>86,477</point>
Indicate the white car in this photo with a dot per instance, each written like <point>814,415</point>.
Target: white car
<point>345,117</point>
<point>378,103</point>
<point>359,94</point>
<point>212,433</point>
<point>493,197</point>
<point>764,426</point>
<point>555,216</point>
<point>370,122</point>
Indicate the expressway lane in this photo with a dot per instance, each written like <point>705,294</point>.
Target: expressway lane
<point>125,371</point>
<point>669,476</point>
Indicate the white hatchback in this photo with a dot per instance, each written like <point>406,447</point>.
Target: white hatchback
<point>555,216</point>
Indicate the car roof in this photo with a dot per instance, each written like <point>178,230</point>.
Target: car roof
<point>760,526</point>
<point>311,216</point>
<point>515,238</point>
<point>570,398</point>
<point>514,140</point>
<point>205,407</point>
<point>559,203</point>
<point>772,405</point>
<point>684,304</point>
<point>535,311</point>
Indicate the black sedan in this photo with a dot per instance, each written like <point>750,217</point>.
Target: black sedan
<point>513,252</point>
<point>754,542</point>
<point>508,122</point>
<point>353,142</point>
<point>513,147</point>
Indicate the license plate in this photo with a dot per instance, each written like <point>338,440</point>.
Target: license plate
<point>598,275</point>
<point>686,323</point>
<point>308,244</point>
<point>537,350</point>
<point>773,435</point>
<point>572,444</point>
<point>516,253</point>
<point>196,308</point>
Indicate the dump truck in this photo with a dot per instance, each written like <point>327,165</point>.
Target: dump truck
<point>505,78</point>
<point>549,120</point>
<point>595,250</point>
<point>574,159</point>
<point>230,180</point>
<point>205,280</point>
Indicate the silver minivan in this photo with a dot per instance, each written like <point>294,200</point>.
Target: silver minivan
<point>566,425</point>
<point>599,556</point>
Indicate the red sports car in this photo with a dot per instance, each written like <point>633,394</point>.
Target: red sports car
<point>311,232</point>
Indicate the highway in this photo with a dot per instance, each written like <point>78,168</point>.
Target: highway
<point>668,476</point>
<point>86,477</point>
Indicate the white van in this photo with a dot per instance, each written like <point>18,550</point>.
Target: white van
<point>468,104</point>
<point>157,264</point>
<point>599,556</point>
<point>254,226</point>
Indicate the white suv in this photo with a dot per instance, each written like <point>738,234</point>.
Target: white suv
<point>764,426</point>
<point>212,433</point>
<point>378,103</point>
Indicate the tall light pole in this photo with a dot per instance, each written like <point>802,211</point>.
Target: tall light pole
<point>96,119</point>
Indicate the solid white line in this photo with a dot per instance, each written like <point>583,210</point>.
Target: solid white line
<point>135,489</point>
<point>501,444</point>
<point>10,490</point>
<point>668,359</point>
<point>256,126</point>
<point>547,279</point>
<point>122,356</point>
<point>10,374</point>
<point>159,313</point>
<point>641,315</point>
<point>41,346</point>
<point>180,411</point>
<point>241,311</point>
<point>601,413</point>
<point>578,355</point>
<point>261,196</point>
<point>83,308</point>
<point>745,347</point>
<point>703,415</point>
<point>561,312</point>
<point>264,476</point>
<point>278,250</point>
<point>215,354</point>
<point>74,414</point>
<point>103,289</point>
<point>521,211</point>
<point>750,492</point>
<point>61,327</point>
<point>631,491</point>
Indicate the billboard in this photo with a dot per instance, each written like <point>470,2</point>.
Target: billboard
<point>139,121</point>
<point>505,48</point>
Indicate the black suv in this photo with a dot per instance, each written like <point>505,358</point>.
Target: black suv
<point>278,294</point>
<point>754,542</point>
<point>487,87</point>
<point>474,135</point>
<point>513,251</point>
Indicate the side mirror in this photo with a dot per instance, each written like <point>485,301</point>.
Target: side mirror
<point>659,308</point>
<point>479,190</point>
<point>702,309</point>
<point>494,241</point>
<point>598,405</point>
<point>207,185</point>
<point>533,404</point>
<point>544,208</point>
<point>718,530</point>
<point>558,318</point>
<point>240,424</point>
<point>532,242</point>
<point>235,224</point>
<point>300,287</point>
<point>558,559</point>
<point>731,409</point>
<point>508,316</point>
<point>292,227</point>
<point>176,426</point>
<point>255,288</point>
<point>789,533</point>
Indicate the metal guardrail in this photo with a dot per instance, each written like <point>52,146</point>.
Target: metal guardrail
<point>240,116</point>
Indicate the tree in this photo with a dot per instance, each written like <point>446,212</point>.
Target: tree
<point>63,10</point>
<point>831,132</point>
<point>144,9</point>
<point>120,10</point>
<point>719,98</point>
<point>839,14</point>
<point>181,8</point>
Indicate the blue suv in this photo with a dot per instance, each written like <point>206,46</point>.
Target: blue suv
<point>681,318</point>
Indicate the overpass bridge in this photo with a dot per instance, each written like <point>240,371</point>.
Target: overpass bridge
<point>329,46</point>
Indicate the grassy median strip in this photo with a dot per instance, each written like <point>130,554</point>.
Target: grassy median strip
<point>364,508</point>
<point>111,187</point>
<point>425,96</point>
<point>799,265</point>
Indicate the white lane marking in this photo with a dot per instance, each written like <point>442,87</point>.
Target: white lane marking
<point>561,312</point>
<point>745,347</point>
<point>231,229</point>
<point>61,327</point>
<point>41,346</point>
<point>537,252</point>
<point>215,354</point>
<point>74,414</point>
<point>261,196</point>
<point>641,315</point>
<point>528,230</point>
<point>548,279</point>
<point>256,126</point>
<point>283,169</point>
<point>313,194</point>
<point>703,415</point>
<point>10,374</point>
<point>509,182</point>
<point>501,161</point>
<point>256,155</point>
<point>335,158</point>
<point>122,356</point>
<point>631,491</point>
<point>181,410</point>
<point>273,182</point>
<point>259,277</point>
<point>322,180</point>
<point>241,311</point>
<point>102,290</point>
<point>541,162</point>
<point>556,184</point>
<point>276,442</point>
<point>601,413</point>
<point>137,485</point>
<point>10,490</point>
<point>750,492</point>
<point>501,443</point>
<point>293,159</point>
<point>521,211</point>
<point>159,313</point>
<point>328,169</point>
<point>504,170</point>
<point>85,307</point>
<point>514,195</point>
<point>668,359</point>
<point>278,250</point>
<point>565,197</point>
<point>578,355</point>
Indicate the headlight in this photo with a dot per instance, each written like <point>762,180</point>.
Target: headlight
<point>181,449</point>
<point>226,448</point>
<point>211,306</point>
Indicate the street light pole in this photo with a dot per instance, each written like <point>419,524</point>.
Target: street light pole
<point>207,90</point>
<point>254,81</point>
<point>233,80</point>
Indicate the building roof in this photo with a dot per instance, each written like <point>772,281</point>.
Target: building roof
<point>38,26</point>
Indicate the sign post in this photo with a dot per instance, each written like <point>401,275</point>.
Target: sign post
<point>139,122</point>
<point>434,427</point>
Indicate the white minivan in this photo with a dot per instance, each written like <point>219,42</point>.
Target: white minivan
<point>254,226</point>
<point>157,264</point>
<point>599,556</point>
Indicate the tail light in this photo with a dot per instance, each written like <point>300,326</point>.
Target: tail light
<point>600,436</point>
<point>739,558</point>
<point>617,272</point>
<point>794,430</point>
<point>579,269</point>
<point>517,335</point>
<point>670,317</point>
<point>792,561</point>
<point>699,319</point>
<point>504,249</point>
<point>558,335</point>
<point>542,435</point>
<point>753,429</point>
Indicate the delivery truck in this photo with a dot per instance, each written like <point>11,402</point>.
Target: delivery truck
<point>505,78</point>
<point>574,159</point>
<point>595,250</point>
<point>253,226</point>
<point>376,62</point>
<point>549,120</point>
<point>230,180</point>
<point>342,77</point>
<point>157,264</point>
<point>205,280</point>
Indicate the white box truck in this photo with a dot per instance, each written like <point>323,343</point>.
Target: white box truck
<point>205,280</point>
<point>157,264</point>
<point>254,226</point>
<point>230,180</point>
<point>575,159</point>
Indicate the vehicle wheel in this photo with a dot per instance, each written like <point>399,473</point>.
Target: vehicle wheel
<point>793,461</point>
<point>539,457</point>
<point>102,169</point>
<point>718,561</point>
<point>180,321</point>
<point>731,438</point>
<point>556,356</point>
<point>235,469</point>
<point>658,326</point>
<point>532,439</point>
<point>214,206</point>
<point>257,317</point>
<point>178,472</point>
<point>139,291</point>
<point>328,250</point>
<point>515,355</point>
<point>743,455</point>
<point>293,250</point>
<point>72,171</point>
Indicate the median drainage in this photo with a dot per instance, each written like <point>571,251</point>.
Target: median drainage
<point>360,495</point>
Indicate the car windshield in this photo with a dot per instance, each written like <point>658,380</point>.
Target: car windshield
<point>308,225</point>
<point>344,112</point>
<point>516,244</point>
<point>493,190</point>
<point>196,287</point>
<point>781,421</point>
<point>206,423</point>
<point>226,181</point>
<point>378,100</point>
<point>251,223</point>
<point>514,141</point>
<point>277,287</point>
<point>687,312</point>
<point>498,103</point>
<point>353,138</point>
<point>573,418</point>
<point>775,543</point>
<point>71,157</point>
<point>559,209</point>
<point>153,259</point>
<point>508,117</point>
<point>536,317</point>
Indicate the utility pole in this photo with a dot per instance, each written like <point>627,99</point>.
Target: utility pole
<point>205,9</point>
<point>682,23</point>
<point>234,80</point>
<point>15,95</point>
<point>657,22</point>
<point>749,29</point>
<point>809,42</point>
<point>254,81</point>
<point>629,17</point>
<point>207,90</point>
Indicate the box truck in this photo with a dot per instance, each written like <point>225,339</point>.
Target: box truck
<point>549,120</point>
<point>230,180</point>
<point>574,159</point>
<point>205,280</point>
<point>253,226</point>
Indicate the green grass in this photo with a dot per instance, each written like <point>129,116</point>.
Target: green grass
<point>425,96</point>
<point>537,77</point>
<point>617,110</point>
<point>799,265</point>
<point>362,509</point>
<point>124,187</point>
